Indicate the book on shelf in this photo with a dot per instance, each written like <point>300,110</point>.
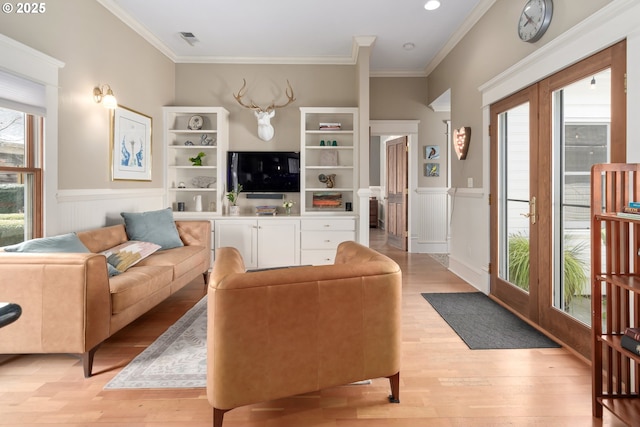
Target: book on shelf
<point>630,344</point>
<point>630,209</point>
<point>634,204</point>
<point>334,126</point>
<point>633,333</point>
<point>627,215</point>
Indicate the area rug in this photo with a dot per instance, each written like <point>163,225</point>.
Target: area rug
<point>484,324</point>
<point>441,258</point>
<point>177,359</point>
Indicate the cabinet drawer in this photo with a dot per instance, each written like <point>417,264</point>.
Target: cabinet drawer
<point>325,239</point>
<point>317,257</point>
<point>328,224</point>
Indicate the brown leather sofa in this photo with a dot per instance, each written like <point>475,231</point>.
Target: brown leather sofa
<point>283,332</point>
<point>71,305</point>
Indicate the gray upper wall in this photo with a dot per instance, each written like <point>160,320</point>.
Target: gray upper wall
<point>491,47</point>
<point>97,47</point>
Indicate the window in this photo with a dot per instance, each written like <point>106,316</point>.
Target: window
<point>20,176</point>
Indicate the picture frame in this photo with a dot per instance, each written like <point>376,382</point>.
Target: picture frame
<point>431,152</point>
<point>130,145</point>
<point>432,169</point>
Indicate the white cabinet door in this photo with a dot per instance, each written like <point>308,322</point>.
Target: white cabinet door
<point>241,234</point>
<point>278,243</point>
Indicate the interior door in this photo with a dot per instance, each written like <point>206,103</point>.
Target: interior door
<point>397,193</point>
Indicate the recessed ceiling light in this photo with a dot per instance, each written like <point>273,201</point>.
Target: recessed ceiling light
<point>409,46</point>
<point>432,5</point>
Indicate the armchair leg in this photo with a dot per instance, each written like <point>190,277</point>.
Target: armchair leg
<point>206,278</point>
<point>394,381</point>
<point>218,414</point>
<point>87,361</point>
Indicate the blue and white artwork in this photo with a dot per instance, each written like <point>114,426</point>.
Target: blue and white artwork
<point>131,145</point>
<point>132,151</point>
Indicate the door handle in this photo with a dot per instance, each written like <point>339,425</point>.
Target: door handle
<point>532,211</point>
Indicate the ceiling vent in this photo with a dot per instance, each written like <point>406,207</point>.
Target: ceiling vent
<point>188,37</point>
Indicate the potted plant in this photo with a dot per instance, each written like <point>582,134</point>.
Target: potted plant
<point>233,196</point>
<point>287,205</point>
<point>574,276</point>
<point>197,160</point>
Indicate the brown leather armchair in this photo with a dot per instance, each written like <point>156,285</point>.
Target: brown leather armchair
<point>284,332</point>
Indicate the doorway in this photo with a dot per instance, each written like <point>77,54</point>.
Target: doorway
<point>544,140</point>
<point>384,131</point>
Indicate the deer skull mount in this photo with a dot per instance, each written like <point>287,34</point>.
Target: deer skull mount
<point>264,115</point>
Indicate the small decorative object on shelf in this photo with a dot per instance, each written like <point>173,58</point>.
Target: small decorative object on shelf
<point>233,196</point>
<point>327,199</point>
<point>197,160</point>
<point>322,142</point>
<point>207,140</point>
<point>328,180</point>
<point>287,205</point>
<point>198,200</point>
<point>334,143</point>
<point>181,185</point>
<point>203,181</point>
<point>188,143</point>
<point>266,210</point>
<point>330,126</point>
<point>195,123</point>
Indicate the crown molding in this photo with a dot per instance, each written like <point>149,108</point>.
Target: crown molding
<point>471,20</point>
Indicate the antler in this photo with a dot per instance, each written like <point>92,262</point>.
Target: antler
<point>289,92</point>
<point>273,106</point>
<point>239,96</point>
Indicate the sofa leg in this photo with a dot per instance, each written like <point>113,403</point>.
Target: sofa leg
<point>218,414</point>
<point>206,278</point>
<point>394,381</point>
<point>87,361</point>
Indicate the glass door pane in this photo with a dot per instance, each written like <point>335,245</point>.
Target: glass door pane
<point>581,137</point>
<point>514,196</point>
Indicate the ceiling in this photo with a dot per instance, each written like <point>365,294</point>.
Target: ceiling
<point>303,31</point>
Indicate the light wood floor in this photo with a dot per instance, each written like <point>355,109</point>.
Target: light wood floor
<point>443,383</point>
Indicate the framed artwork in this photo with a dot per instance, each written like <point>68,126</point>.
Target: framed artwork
<point>432,152</point>
<point>130,145</point>
<point>432,169</point>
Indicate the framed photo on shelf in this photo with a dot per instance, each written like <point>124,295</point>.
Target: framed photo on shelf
<point>130,145</point>
<point>431,169</point>
<point>431,152</point>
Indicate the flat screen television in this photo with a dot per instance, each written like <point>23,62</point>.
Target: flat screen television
<point>264,171</point>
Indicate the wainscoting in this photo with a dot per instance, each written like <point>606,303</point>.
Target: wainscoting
<point>430,232</point>
<point>92,208</point>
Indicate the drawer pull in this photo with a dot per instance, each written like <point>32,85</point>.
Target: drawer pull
<point>327,225</point>
<point>327,241</point>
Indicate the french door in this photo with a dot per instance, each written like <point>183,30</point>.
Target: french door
<point>544,140</point>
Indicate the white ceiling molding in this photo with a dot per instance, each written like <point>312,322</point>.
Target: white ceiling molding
<point>113,7</point>
<point>442,104</point>
<point>475,15</point>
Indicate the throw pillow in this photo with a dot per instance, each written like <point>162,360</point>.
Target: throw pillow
<point>69,243</point>
<point>128,254</point>
<point>154,226</point>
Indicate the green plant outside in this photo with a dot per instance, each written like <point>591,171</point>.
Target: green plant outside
<point>11,228</point>
<point>574,267</point>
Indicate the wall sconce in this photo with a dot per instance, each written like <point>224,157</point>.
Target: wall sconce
<point>103,94</point>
